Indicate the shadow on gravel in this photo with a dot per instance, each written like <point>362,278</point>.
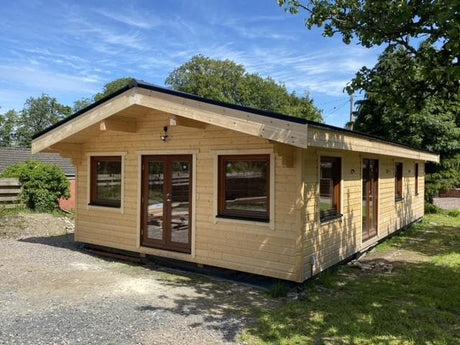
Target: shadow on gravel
<point>162,264</point>
<point>61,241</point>
<point>224,308</point>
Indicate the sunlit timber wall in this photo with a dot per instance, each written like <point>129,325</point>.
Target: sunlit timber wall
<point>252,247</point>
<point>325,244</point>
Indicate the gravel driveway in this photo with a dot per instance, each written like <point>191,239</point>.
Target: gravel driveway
<point>52,293</point>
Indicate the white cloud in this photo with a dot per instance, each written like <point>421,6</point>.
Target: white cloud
<point>46,81</point>
<point>132,18</point>
<point>325,71</point>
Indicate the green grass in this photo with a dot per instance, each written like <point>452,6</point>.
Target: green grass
<point>418,303</point>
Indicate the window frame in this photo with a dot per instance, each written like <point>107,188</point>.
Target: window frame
<point>399,172</point>
<point>416,176</point>
<point>221,211</point>
<point>93,201</point>
<point>337,188</point>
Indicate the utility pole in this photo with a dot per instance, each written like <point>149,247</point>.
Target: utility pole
<point>352,119</point>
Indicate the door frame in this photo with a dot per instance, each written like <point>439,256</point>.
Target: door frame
<point>377,201</point>
<point>158,251</point>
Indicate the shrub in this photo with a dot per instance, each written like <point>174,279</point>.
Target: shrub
<point>43,184</point>
<point>454,213</point>
<point>431,208</point>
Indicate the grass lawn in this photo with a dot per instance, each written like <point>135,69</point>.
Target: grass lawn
<point>417,303</point>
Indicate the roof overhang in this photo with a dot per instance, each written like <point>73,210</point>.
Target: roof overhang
<point>241,121</point>
<point>275,127</point>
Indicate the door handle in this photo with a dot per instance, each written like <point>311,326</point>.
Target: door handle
<point>168,197</point>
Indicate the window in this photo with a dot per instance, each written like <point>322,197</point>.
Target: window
<point>329,188</point>
<point>105,187</point>
<point>398,181</point>
<point>244,187</point>
<point>416,179</point>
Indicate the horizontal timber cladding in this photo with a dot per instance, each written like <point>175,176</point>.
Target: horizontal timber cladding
<point>335,240</point>
<point>247,246</point>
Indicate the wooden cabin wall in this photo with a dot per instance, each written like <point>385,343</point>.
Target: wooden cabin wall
<point>253,248</point>
<point>336,240</point>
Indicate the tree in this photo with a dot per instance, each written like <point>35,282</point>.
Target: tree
<point>8,122</point>
<point>413,25</point>
<point>112,87</point>
<point>81,103</point>
<point>37,115</point>
<point>401,105</point>
<point>412,94</point>
<point>227,81</point>
<point>108,89</point>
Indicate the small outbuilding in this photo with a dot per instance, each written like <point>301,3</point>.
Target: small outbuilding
<point>173,175</point>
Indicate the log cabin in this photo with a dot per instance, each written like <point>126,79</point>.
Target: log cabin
<point>167,174</point>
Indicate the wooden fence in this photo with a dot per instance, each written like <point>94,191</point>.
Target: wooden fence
<point>9,192</point>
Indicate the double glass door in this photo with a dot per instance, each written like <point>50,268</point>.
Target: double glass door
<point>166,202</point>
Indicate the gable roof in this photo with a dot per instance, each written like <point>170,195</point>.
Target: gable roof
<point>13,155</point>
<point>270,125</point>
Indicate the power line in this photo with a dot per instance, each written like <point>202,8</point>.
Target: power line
<point>336,108</point>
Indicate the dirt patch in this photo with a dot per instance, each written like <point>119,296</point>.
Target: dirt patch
<point>384,260</point>
<point>396,255</point>
<point>26,225</point>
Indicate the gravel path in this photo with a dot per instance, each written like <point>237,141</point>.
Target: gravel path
<point>52,293</point>
<point>447,203</point>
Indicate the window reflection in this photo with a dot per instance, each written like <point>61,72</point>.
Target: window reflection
<point>106,181</point>
<point>244,189</point>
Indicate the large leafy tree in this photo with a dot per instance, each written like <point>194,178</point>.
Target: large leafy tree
<point>112,87</point>
<point>413,25</point>
<point>227,81</point>
<point>8,122</point>
<point>17,129</point>
<point>412,94</point>
<point>38,114</point>
<point>107,90</point>
<point>421,117</point>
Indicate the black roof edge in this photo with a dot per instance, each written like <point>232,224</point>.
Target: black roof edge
<point>137,83</point>
<point>132,83</point>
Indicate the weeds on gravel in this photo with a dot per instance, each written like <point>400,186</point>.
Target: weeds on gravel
<point>417,303</point>
<point>24,210</point>
<point>12,211</point>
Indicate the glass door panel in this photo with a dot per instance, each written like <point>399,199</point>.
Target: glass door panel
<point>370,175</point>
<point>365,179</point>
<point>180,202</point>
<point>155,206</point>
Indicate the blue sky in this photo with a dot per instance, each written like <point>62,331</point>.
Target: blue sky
<point>69,50</point>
